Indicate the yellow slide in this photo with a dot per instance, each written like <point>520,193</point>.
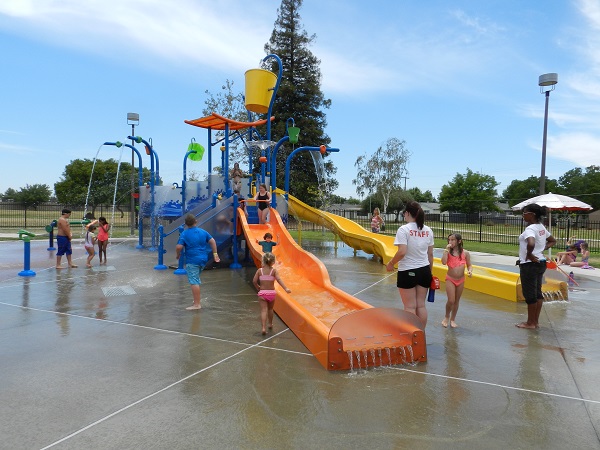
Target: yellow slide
<point>498,283</point>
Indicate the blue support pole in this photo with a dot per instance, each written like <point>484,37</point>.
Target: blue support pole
<point>24,236</point>
<point>161,251</point>
<point>180,270</point>
<point>235,264</point>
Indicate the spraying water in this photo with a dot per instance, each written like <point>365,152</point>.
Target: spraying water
<point>112,218</point>
<point>87,197</point>
<point>321,177</point>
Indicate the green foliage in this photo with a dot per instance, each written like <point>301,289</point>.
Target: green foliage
<point>231,105</point>
<point>32,196</point>
<point>581,184</point>
<point>299,97</point>
<point>10,194</point>
<point>519,190</point>
<point>469,193</point>
<point>72,189</point>
<point>382,172</point>
<point>421,197</point>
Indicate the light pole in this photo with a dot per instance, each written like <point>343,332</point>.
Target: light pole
<point>133,119</point>
<point>547,83</point>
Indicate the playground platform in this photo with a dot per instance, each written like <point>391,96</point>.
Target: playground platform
<point>109,358</point>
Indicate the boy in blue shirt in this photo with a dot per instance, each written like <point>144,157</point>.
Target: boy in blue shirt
<point>197,243</point>
<point>268,244</point>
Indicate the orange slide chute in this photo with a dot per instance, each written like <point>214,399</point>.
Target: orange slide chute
<point>339,329</point>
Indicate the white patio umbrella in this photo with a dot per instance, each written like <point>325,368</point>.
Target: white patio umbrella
<point>554,202</point>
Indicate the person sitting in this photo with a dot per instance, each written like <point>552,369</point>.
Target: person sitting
<point>568,257</point>
<point>585,257</point>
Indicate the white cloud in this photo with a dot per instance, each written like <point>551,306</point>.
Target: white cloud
<point>581,149</point>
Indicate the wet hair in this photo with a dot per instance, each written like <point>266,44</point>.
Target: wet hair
<point>459,242</point>
<point>263,185</point>
<point>267,236</point>
<point>415,210</point>
<point>584,246</point>
<point>66,211</point>
<point>91,227</point>
<point>537,210</point>
<point>102,219</point>
<point>190,220</point>
<point>268,259</point>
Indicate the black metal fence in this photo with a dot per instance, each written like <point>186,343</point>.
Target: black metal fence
<point>494,229</point>
<point>14,216</point>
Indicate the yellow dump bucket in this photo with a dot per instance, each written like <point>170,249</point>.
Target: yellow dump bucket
<point>259,89</point>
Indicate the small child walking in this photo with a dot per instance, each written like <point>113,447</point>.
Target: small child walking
<point>456,258</point>
<point>103,228</point>
<point>268,244</point>
<point>90,242</point>
<point>264,282</point>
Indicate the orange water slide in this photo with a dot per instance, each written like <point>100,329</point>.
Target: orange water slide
<point>335,326</point>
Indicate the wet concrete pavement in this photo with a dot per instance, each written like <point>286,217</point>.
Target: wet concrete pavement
<point>109,358</point>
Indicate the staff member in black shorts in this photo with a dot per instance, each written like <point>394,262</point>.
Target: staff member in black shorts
<point>532,262</point>
<point>415,260</point>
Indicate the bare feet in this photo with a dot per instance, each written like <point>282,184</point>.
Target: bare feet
<point>271,327</point>
<point>445,322</point>
<point>193,307</point>
<point>89,266</point>
<point>525,325</point>
<point>60,267</point>
<point>264,332</point>
<point>453,324</point>
<point>74,266</point>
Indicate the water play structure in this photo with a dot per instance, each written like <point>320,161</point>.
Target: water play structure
<point>339,329</point>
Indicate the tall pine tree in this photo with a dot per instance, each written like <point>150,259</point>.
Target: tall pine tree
<point>299,97</point>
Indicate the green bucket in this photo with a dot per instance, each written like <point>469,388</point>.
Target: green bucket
<point>293,133</point>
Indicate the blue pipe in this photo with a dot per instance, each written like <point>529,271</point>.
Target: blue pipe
<point>275,89</point>
<point>274,169</point>
<point>161,252</point>
<point>291,155</point>
<point>140,183</point>
<point>153,177</point>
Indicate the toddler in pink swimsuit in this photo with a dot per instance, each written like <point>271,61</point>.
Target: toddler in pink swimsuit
<point>456,258</point>
<point>264,281</point>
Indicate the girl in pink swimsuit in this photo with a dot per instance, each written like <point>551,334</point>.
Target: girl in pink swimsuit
<point>264,281</point>
<point>456,258</point>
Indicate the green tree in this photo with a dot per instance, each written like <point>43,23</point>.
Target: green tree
<point>519,190</point>
<point>9,194</point>
<point>299,97</point>
<point>72,189</point>
<point>31,196</point>
<point>421,197</point>
<point>382,172</point>
<point>469,193</point>
<point>229,104</point>
<point>583,184</point>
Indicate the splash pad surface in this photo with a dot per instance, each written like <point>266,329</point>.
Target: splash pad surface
<point>138,370</point>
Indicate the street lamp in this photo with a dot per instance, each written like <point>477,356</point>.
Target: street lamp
<point>133,119</point>
<point>547,83</point>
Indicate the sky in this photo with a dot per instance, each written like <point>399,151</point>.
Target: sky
<point>457,81</point>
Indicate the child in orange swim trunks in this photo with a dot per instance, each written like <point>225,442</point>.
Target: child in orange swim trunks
<point>456,258</point>
<point>264,281</point>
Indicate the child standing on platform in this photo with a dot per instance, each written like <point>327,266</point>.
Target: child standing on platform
<point>264,281</point>
<point>103,228</point>
<point>456,258</point>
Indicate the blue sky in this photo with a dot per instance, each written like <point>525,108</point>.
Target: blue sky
<point>456,80</point>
